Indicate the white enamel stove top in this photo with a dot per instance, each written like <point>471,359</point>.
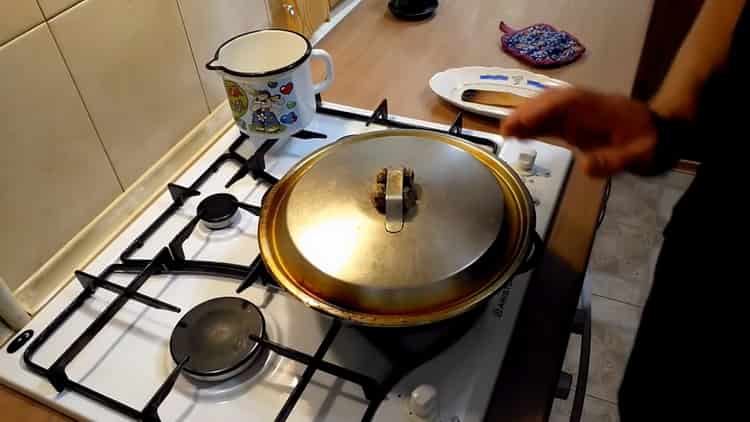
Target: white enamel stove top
<point>129,358</point>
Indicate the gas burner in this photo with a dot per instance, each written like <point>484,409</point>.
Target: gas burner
<point>217,211</point>
<point>215,335</point>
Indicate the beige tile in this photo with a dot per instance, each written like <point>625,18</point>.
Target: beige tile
<point>613,329</point>
<point>633,201</point>
<point>628,277</point>
<point>133,67</point>
<point>645,202</point>
<point>627,246</point>
<point>594,410</point>
<point>55,174</point>
<point>613,287</point>
<point>630,291</point>
<point>53,7</point>
<point>624,253</point>
<point>211,23</point>
<point>17,17</point>
<point>674,179</point>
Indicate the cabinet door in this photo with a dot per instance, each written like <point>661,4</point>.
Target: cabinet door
<point>333,3</point>
<point>303,16</point>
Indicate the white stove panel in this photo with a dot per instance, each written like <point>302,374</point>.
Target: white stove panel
<point>129,359</point>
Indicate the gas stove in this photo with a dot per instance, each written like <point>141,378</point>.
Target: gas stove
<point>177,319</point>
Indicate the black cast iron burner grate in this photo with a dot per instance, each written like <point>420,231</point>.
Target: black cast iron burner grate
<point>171,260</point>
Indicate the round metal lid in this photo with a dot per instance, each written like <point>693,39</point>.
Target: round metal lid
<point>334,225</point>
<point>332,235</point>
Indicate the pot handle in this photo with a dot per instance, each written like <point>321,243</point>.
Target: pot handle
<point>325,83</point>
<point>533,256</point>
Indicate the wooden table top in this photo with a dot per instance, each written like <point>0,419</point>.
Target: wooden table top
<point>377,56</point>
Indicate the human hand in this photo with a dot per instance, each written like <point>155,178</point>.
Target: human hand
<point>613,132</point>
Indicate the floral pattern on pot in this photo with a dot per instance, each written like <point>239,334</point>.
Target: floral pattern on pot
<point>265,108</point>
<point>287,88</point>
<point>237,99</point>
<point>289,119</point>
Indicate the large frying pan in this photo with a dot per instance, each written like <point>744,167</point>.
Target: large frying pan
<point>398,228</point>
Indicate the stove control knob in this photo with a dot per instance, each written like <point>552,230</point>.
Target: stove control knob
<point>526,159</point>
<point>423,403</point>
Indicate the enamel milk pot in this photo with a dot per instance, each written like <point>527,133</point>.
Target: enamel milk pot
<point>268,81</point>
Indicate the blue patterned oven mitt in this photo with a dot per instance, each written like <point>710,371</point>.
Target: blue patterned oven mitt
<point>541,45</point>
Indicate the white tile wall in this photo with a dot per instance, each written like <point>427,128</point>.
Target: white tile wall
<point>17,16</point>
<point>54,172</point>
<point>209,24</point>
<point>50,8</point>
<point>134,69</point>
<point>99,98</point>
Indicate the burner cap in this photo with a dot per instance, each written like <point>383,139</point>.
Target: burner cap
<point>217,210</point>
<point>215,336</point>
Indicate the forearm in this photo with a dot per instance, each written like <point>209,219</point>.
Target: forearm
<point>704,51</point>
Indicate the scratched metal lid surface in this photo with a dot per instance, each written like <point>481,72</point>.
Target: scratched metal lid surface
<point>392,223</point>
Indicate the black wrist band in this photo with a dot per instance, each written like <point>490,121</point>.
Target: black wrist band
<point>670,134</point>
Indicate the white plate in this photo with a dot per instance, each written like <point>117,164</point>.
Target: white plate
<point>450,83</point>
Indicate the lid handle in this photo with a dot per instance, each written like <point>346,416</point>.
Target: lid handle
<point>394,194</point>
<point>394,201</point>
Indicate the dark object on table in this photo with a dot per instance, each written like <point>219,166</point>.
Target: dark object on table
<point>413,10</point>
<point>541,45</point>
